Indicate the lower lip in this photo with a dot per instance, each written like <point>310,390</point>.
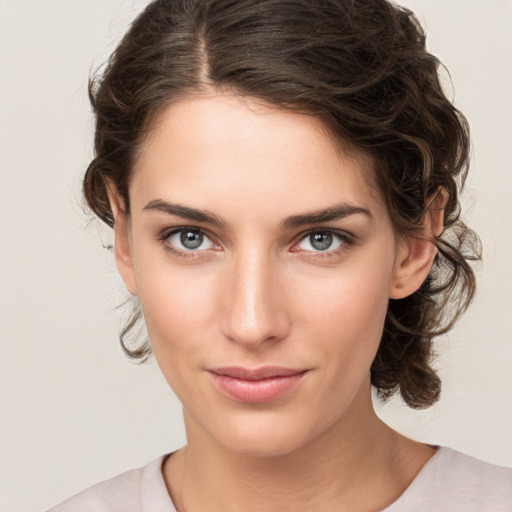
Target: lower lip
<point>256,391</point>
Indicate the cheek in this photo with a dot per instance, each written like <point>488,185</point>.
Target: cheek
<point>355,294</point>
<point>178,306</point>
<point>179,317</point>
<point>345,314</point>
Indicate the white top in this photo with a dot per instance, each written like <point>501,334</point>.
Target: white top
<point>449,482</point>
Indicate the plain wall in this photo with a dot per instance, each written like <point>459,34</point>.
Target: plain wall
<point>73,410</point>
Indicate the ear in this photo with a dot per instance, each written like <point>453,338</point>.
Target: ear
<point>415,255</point>
<point>122,238</point>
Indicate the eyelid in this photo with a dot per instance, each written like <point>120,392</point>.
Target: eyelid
<point>166,234</point>
<point>347,240</point>
<point>344,235</point>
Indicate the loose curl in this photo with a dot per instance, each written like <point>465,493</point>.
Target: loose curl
<point>362,68</point>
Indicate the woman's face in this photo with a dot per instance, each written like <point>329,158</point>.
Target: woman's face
<point>263,261</point>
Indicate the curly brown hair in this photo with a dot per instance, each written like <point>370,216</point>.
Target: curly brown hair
<point>361,67</point>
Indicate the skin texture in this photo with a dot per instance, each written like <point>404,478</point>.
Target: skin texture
<point>257,293</point>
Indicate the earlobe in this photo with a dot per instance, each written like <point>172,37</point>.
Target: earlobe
<point>122,245</point>
<point>415,255</point>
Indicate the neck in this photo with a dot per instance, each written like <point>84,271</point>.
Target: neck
<point>359,464</point>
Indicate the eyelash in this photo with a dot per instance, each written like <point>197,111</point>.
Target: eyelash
<point>185,254</point>
<point>346,241</point>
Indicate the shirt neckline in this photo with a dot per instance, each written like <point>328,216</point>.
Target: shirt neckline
<point>155,496</point>
<point>418,479</point>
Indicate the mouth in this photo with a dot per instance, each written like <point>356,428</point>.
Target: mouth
<point>256,386</point>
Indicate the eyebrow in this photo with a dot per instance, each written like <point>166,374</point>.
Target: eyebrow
<point>185,212</point>
<point>335,212</point>
<point>331,213</point>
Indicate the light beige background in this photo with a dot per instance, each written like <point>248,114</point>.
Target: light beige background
<point>73,411</point>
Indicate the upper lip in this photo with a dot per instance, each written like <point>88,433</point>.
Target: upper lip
<point>264,372</point>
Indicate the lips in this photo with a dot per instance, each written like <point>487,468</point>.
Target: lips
<point>253,386</point>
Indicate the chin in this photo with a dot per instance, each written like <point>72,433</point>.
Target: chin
<point>264,435</point>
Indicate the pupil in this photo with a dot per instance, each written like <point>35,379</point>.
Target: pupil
<point>191,239</point>
<point>321,241</point>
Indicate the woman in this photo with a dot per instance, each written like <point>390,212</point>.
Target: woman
<point>282,180</point>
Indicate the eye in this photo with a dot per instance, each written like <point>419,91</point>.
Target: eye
<point>189,239</point>
<point>321,241</point>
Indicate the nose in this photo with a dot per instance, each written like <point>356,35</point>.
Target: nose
<point>254,305</point>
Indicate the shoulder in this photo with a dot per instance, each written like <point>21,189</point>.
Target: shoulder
<point>126,492</point>
<point>452,481</point>
<point>119,493</point>
<point>471,473</point>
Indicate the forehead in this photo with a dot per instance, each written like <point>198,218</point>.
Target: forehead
<point>224,146</point>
